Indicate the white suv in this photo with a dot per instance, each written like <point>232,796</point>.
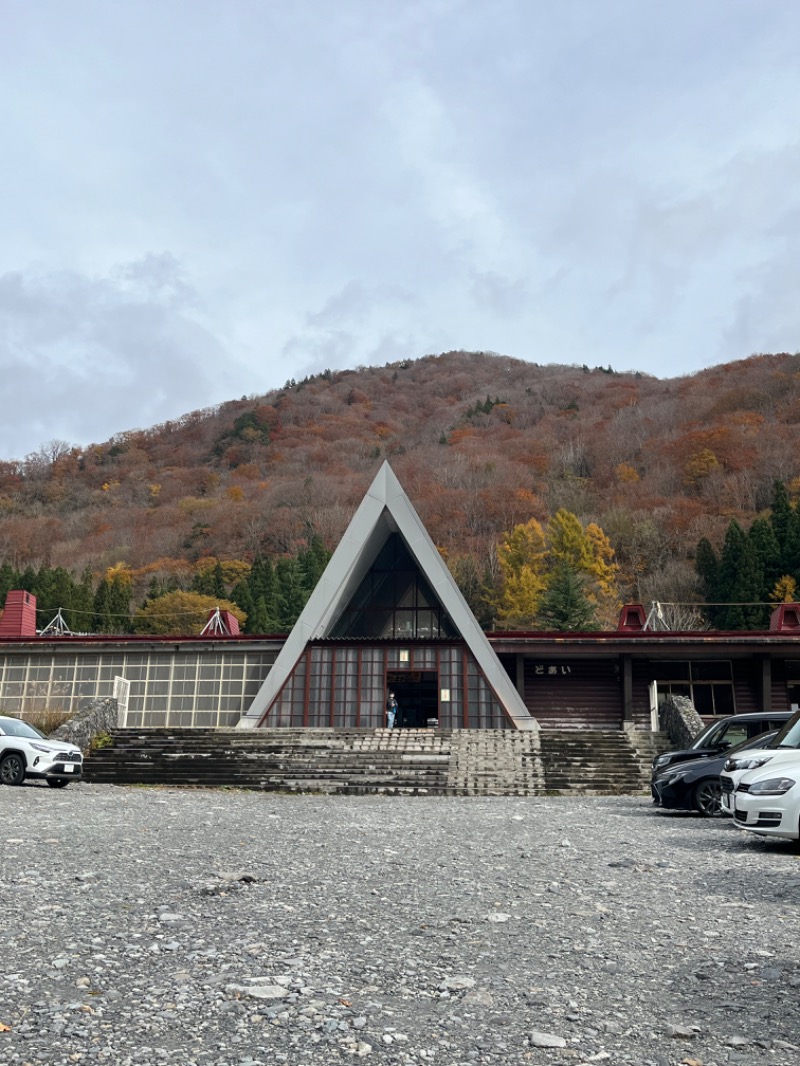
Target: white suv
<point>25,752</point>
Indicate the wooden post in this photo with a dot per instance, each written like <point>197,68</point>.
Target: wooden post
<point>766,684</point>
<point>627,689</point>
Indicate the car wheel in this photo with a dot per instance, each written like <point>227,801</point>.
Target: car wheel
<point>707,798</point>
<point>57,782</point>
<point>12,769</point>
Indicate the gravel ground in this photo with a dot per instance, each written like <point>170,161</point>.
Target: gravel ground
<point>231,928</point>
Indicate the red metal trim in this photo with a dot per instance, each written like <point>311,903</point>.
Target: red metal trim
<point>332,697</point>
<point>307,686</point>
<point>465,684</point>
<point>358,688</point>
<point>439,688</point>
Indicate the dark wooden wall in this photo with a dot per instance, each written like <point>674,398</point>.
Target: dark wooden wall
<point>574,695</point>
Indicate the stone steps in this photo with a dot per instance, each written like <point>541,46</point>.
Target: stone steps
<point>361,761</point>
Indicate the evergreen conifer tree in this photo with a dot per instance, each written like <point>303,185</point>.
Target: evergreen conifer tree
<point>243,597</point>
<point>767,553</point>
<point>262,582</point>
<point>564,606</point>
<point>313,562</point>
<point>154,590</point>
<point>54,589</point>
<point>120,604</point>
<point>785,523</point>
<point>259,621</point>
<point>101,609</point>
<point>83,603</point>
<point>218,579</point>
<point>706,564</point>
<point>741,582</point>
<point>291,594</point>
<point>27,580</point>
<point>9,579</point>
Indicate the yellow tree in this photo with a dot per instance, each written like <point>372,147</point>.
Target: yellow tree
<point>567,542</point>
<point>586,551</point>
<point>521,555</point>
<point>181,613</point>
<point>785,590</point>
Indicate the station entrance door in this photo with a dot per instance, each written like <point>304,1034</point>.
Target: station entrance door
<point>417,693</point>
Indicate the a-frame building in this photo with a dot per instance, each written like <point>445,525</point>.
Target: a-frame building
<point>386,616</point>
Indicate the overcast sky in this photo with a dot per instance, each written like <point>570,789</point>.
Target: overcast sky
<point>200,199</point>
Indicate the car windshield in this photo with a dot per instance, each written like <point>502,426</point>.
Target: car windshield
<point>13,727</point>
<point>789,736</point>
<point>711,736</point>
<point>763,740</point>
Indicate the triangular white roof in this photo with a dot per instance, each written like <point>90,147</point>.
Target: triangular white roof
<point>384,510</point>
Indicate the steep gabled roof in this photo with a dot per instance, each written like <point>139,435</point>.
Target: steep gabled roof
<point>384,510</point>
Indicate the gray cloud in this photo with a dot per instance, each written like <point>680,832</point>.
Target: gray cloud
<point>82,358</point>
<point>341,184</point>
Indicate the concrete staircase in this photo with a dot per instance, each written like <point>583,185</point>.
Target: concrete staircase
<point>647,745</point>
<point>291,760</point>
<point>357,761</point>
<point>589,762</point>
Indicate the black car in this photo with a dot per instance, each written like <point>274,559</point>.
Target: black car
<point>722,736</point>
<point>694,785</point>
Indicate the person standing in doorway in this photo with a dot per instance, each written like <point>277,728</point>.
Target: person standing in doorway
<point>391,710</point>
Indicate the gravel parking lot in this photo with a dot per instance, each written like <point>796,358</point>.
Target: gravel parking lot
<point>232,928</point>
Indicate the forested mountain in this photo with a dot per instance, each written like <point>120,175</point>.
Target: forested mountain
<point>481,443</point>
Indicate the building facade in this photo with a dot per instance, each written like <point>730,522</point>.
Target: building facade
<point>387,617</point>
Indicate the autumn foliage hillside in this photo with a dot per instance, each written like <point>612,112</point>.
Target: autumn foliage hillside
<point>480,443</point>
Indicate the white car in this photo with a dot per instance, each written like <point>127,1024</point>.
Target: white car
<point>25,752</point>
<point>767,800</point>
<point>784,748</point>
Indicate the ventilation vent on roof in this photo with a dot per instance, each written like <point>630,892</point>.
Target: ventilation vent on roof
<point>631,618</point>
<point>785,618</point>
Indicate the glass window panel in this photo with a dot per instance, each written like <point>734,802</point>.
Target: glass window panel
<point>671,671</point>
<point>703,699</point>
<point>714,671</point>
<point>723,699</point>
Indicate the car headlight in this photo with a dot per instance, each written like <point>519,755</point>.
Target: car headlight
<point>747,764</point>
<point>673,779</point>
<point>40,747</point>
<point>660,760</point>
<point>773,786</point>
